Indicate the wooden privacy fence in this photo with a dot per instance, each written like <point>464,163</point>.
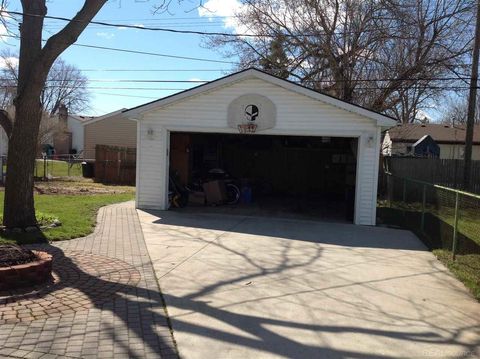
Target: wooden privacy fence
<point>444,172</point>
<point>115,165</point>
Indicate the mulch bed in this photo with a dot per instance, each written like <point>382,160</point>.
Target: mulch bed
<point>11,254</point>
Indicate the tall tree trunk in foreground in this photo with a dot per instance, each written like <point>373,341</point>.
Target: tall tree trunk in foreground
<point>34,64</point>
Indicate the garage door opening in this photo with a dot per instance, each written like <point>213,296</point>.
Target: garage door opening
<point>289,176</point>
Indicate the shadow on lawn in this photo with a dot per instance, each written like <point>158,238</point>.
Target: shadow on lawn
<point>259,332</point>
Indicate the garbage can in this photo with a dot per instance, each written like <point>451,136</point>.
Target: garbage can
<point>88,169</point>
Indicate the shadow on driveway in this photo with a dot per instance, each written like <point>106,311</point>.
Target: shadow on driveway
<point>249,287</point>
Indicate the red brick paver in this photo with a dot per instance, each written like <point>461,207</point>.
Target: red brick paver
<point>104,302</point>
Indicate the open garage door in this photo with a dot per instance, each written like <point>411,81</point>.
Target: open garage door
<point>288,176</point>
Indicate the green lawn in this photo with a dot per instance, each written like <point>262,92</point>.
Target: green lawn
<point>468,219</point>
<point>76,212</point>
<point>57,168</point>
<point>466,267</point>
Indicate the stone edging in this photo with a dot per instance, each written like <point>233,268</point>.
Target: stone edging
<point>27,274</point>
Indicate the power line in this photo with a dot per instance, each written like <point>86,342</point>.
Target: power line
<point>148,54</point>
<point>154,54</point>
<point>181,89</point>
<point>141,52</point>
<point>170,18</point>
<point>205,81</point>
<point>153,70</point>
<point>122,95</point>
<point>192,32</point>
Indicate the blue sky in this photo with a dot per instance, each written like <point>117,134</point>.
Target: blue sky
<point>103,86</point>
<point>135,12</point>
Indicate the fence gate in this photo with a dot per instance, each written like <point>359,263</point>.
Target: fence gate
<point>115,165</point>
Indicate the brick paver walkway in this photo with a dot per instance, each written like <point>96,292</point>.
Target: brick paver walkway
<point>120,312</point>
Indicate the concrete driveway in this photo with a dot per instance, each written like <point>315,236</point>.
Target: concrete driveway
<point>251,287</point>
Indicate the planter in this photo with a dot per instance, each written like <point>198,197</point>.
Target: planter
<point>28,274</point>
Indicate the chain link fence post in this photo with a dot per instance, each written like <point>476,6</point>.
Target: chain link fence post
<point>455,227</point>
<point>44,167</point>
<point>424,200</point>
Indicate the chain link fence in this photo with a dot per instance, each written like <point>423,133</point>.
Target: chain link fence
<point>51,167</point>
<point>444,218</point>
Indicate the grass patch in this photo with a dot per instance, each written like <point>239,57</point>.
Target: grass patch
<point>54,168</point>
<point>438,236</point>
<point>466,267</point>
<point>77,214</point>
<point>468,219</point>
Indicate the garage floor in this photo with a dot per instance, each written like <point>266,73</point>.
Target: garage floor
<point>278,207</point>
<point>251,287</point>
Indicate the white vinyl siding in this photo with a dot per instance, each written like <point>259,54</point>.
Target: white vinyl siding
<point>76,128</point>
<point>297,114</point>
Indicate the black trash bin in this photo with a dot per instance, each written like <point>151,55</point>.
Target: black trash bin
<point>88,169</point>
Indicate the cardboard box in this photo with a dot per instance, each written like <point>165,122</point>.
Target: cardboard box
<point>197,198</point>
<point>215,192</point>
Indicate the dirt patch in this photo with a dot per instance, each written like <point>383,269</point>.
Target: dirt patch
<point>82,187</point>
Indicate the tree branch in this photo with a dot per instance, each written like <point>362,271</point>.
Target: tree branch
<point>70,33</point>
<point>6,122</point>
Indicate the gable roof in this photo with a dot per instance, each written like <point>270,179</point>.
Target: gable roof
<point>81,118</point>
<point>103,117</point>
<point>445,134</point>
<point>381,119</point>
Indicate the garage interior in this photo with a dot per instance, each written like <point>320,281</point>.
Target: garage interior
<point>284,176</point>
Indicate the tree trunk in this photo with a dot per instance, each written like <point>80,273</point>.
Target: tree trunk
<point>34,64</point>
<point>19,210</point>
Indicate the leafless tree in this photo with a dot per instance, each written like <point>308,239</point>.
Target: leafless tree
<point>34,64</point>
<point>454,112</point>
<point>65,84</point>
<point>50,127</point>
<point>390,55</point>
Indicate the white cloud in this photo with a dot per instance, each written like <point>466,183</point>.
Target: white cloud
<point>122,28</point>
<point>227,9</point>
<point>106,35</point>
<point>8,62</point>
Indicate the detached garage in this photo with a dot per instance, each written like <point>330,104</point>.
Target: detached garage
<point>295,148</point>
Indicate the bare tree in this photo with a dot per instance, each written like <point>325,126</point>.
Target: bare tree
<point>391,56</point>
<point>34,64</point>
<point>50,127</point>
<point>65,84</point>
<point>455,111</point>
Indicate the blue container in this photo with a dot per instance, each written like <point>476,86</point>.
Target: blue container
<point>246,195</point>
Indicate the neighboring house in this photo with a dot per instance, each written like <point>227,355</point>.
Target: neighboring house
<point>80,134</point>
<point>62,131</point>
<point>425,147</point>
<point>306,144</point>
<point>111,129</point>
<point>76,127</point>
<point>400,140</point>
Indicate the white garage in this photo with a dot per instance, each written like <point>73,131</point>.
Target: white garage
<point>316,153</point>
